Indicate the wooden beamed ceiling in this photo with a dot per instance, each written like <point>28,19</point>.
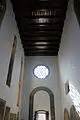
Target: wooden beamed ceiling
<point>40,24</point>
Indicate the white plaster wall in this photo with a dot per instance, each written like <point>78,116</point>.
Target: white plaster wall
<point>69,55</point>
<point>7,31</point>
<point>31,82</point>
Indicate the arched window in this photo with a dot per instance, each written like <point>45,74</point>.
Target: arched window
<point>41,71</point>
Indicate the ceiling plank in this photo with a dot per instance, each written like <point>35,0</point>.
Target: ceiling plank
<point>36,28</point>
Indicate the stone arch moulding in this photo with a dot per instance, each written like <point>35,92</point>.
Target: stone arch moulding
<point>31,101</point>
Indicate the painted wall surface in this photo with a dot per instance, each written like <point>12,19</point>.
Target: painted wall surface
<point>7,31</point>
<point>31,82</point>
<point>69,55</point>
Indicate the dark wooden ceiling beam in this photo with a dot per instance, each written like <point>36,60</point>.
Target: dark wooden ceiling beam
<point>57,13</point>
<point>41,50</point>
<point>51,46</point>
<point>41,54</point>
<point>53,40</point>
<point>34,30</point>
<point>42,20</point>
<point>41,34</point>
<point>44,26</point>
<point>26,4</point>
<point>33,43</point>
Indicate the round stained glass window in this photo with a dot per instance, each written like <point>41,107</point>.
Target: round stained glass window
<point>41,71</point>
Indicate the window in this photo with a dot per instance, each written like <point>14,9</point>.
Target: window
<point>41,115</point>
<point>41,71</point>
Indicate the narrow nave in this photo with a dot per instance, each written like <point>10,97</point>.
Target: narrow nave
<point>40,60</point>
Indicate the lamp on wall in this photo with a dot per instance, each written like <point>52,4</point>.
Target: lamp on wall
<point>67,89</point>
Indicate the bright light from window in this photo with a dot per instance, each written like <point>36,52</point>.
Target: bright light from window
<point>75,96</point>
<point>41,72</point>
<point>41,117</point>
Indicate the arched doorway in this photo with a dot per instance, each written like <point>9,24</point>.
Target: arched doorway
<point>31,101</point>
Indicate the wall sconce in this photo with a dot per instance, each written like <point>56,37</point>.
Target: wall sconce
<point>67,89</point>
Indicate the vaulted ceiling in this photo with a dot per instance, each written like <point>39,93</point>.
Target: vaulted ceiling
<point>40,24</point>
